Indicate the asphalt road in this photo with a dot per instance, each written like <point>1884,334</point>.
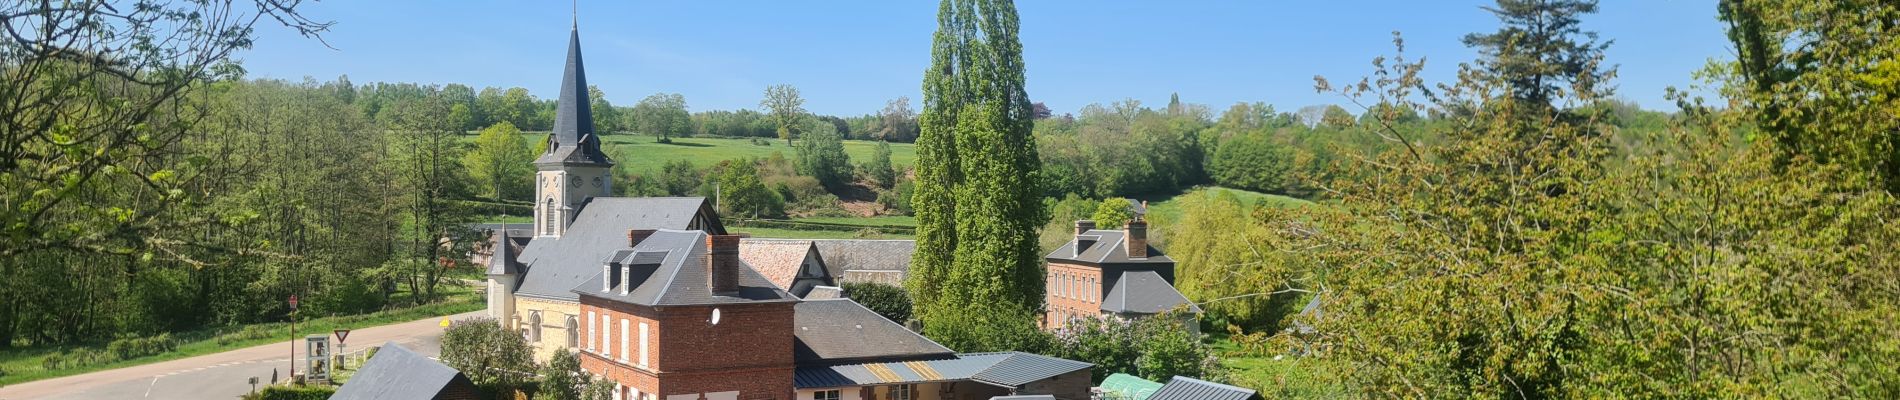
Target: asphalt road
<point>221,375</point>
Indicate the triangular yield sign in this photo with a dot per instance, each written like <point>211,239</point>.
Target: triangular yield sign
<point>341,335</point>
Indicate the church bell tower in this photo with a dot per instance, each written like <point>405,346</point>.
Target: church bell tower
<point>573,169</point>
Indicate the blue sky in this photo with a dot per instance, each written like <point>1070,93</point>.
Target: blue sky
<point>850,57</point>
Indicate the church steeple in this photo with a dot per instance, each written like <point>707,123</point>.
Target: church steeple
<point>573,170</point>
<point>574,140</point>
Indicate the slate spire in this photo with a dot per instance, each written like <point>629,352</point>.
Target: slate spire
<point>574,140</point>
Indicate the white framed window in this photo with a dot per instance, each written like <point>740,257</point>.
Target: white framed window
<point>833,394</point>
<point>605,328</point>
<point>623,340</point>
<point>899,392</point>
<point>591,328</point>
<point>642,362</point>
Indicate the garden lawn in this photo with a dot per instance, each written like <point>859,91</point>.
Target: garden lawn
<point>1287,377</point>
<point>28,364</point>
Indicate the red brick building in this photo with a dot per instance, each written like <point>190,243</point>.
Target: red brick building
<point>1110,273</point>
<point>680,316</point>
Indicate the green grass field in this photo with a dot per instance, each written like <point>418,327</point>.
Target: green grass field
<point>776,233</point>
<point>28,364</point>
<point>882,220</point>
<point>642,153</point>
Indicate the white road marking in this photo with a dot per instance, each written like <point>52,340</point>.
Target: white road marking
<point>148,387</point>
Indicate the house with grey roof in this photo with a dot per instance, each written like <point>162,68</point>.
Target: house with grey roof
<point>1185,388</point>
<point>396,373</point>
<point>1112,273</point>
<point>679,313</point>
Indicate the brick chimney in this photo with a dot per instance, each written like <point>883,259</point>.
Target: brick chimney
<point>722,264</point>
<point>1135,233</point>
<point>1083,226</point>
<point>635,236</point>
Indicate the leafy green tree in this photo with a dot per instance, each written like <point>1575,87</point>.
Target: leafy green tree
<point>680,178</point>
<point>518,107</point>
<point>1820,79</point>
<point>427,163</point>
<point>740,193</point>
<point>496,359</point>
<point>1112,212</point>
<point>663,115</point>
<point>1254,161</point>
<point>897,122</point>
<point>821,155</point>
<point>880,167</point>
<point>976,109</point>
<point>786,108</point>
<point>501,160</point>
<point>1541,54</point>
<point>562,378</point>
<point>889,301</point>
<point>606,117</point>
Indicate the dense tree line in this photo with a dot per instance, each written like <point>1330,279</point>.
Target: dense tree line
<point>1528,237</point>
<point>169,194</point>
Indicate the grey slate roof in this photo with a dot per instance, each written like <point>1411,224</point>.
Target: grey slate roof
<point>843,256</point>
<point>1108,248</point>
<point>397,373</point>
<point>555,265</point>
<point>1185,388</point>
<point>1144,292</point>
<point>573,140</point>
<point>825,293</point>
<point>841,330</point>
<point>678,277</point>
<point>503,262</point>
<point>1006,369</point>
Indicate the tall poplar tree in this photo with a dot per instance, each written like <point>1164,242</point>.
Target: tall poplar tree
<point>978,269</point>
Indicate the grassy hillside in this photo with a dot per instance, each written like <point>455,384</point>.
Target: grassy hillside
<point>642,153</point>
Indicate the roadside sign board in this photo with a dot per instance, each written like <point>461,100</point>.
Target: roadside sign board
<point>341,334</point>
<point>293,302</point>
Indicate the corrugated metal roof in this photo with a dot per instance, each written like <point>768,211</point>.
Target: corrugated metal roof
<point>1185,388</point>
<point>1009,369</point>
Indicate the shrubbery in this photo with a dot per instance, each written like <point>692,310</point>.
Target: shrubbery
<point>1156,348</point>
<point>117,350</point>
<point>278,392</point>
<point>889,301</point>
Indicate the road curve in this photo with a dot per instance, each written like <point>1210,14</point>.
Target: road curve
<point>220,375</point>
